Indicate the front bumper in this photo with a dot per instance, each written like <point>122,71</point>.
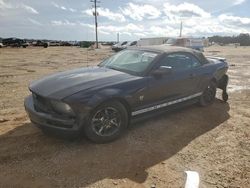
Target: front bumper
<point>49,121</point>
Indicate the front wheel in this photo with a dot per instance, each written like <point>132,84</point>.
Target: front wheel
<point>107,122</point>
<point>208,95</point>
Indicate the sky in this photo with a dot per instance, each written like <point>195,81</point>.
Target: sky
<point>133,19</point>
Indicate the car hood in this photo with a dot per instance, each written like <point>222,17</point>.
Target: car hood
<point>64,84</point>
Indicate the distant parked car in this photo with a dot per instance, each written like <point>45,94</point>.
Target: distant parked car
<point>1,45</point>
<point>118,47</point>
<point>128,44</point>
<point>41,43</point>
<point>65,43</point>
<point>15,42</point>
<point>131,84</point>
<point>54,43</point>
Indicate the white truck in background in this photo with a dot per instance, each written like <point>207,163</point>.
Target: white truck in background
<point>188,42</point>
<point>152,41</point>
<point>194,43</point>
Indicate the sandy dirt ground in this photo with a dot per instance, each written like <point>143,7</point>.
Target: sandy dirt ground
<point>214,141</point>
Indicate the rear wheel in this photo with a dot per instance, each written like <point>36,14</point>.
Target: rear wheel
<point>107,122</point>
<point>45,45</point>
<point>208,95</point>
<point>224,96</point>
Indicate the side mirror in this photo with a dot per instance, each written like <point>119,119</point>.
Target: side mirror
<point>162,70</point>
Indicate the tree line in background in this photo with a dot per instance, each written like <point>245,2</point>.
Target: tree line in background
<point>243,39</point>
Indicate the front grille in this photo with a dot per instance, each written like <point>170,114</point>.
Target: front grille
<point>41,104</point>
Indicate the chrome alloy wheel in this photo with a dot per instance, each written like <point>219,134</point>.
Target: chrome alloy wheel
<point>106,121</point>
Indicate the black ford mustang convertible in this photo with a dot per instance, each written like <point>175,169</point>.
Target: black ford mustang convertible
<point>102,100</point>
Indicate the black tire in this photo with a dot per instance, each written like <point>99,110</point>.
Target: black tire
<point>45,45</point>
<point>224,96</point>
<point>208,95</point>
<point>107,122</point>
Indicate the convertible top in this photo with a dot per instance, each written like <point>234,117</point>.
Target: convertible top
<point>171,49</point>
<point>163,49</point>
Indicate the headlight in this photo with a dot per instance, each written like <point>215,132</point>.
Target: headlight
<point>62,107</point>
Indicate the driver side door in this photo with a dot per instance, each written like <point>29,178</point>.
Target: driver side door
<point>181,82</point>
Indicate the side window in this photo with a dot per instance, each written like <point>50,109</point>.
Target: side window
<point>180,61</point>
<point>177,61</point>
<point>195,62</point>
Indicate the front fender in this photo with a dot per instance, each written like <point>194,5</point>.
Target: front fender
<point>104,95</point>
<point>85,102</point>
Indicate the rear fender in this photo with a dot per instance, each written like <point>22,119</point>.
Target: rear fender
<point>223,82</point>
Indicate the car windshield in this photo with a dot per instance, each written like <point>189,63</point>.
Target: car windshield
<point>130,61</point>
<point>124,43</point>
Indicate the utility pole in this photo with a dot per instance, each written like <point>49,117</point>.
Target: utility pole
<point>118,37</point>
<point>95,13</point>
<point>181,29</point>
